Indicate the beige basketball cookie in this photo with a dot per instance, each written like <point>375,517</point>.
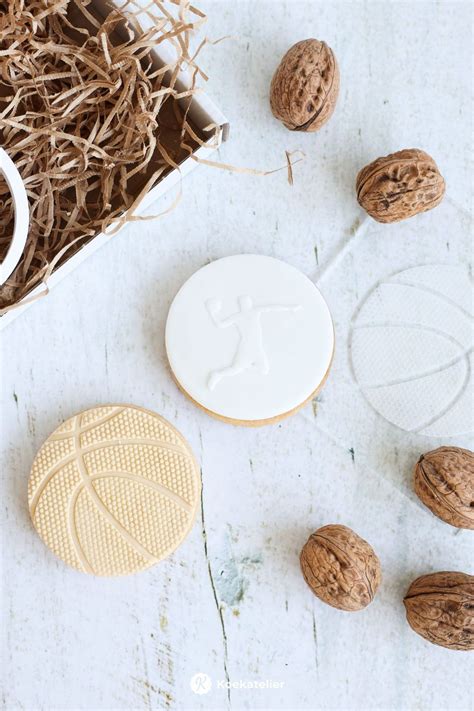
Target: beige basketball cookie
<point>114,490</point>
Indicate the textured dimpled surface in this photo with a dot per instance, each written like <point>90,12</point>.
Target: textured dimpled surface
<point>114,490</point>
<point>412,351</point>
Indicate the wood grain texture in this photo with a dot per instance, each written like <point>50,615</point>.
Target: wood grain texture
<point>232,602</point>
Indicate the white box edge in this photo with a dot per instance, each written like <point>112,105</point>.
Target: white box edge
<point>203,112</point>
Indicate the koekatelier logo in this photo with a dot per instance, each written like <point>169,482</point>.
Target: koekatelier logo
<point>201,683</point>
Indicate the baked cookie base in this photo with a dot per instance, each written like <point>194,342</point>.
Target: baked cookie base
<point>256,423</point>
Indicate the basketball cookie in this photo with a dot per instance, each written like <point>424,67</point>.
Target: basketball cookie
<point>249,339</point>
<point>114,490</point>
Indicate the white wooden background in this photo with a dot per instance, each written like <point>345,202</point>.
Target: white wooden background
<point>231,602</point>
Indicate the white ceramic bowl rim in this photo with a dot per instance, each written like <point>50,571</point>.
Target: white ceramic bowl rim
<point>20,202</point>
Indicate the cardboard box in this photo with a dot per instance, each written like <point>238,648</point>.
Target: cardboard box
<point>202,113</point>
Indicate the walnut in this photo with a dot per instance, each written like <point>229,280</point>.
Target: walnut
<point>444,481</point>
<point>400,185</point>
<point>305,86</point>
<point>440,608</point>
<point>340,567</point>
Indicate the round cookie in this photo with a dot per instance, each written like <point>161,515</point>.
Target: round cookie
<point>114,490</point>
<point>249,339</point>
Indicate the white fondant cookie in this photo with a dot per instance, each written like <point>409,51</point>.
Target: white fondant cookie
<point>249,339</point>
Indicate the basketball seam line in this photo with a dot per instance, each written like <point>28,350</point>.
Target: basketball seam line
<point>72,527</point>
<point>97,423</point>
<point>95,448</point>
<point>420,376</point>
<point>147,483</point>
<point>408,325</point>
<point>114,524</point>
<point>185,508</point>
<point>433,292</point>
<point>70,435</point>
<point>108,516</point>
<point>448,337</point>
<point>450,405</point>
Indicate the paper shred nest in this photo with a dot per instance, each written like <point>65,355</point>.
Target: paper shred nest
<point>90,120</point>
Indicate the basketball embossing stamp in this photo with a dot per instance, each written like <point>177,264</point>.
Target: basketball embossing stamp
<point>412,349</point>
<point>114,490</point>
<point>249,339</point>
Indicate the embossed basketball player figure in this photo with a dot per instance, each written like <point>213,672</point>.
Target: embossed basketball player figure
<point>250,352</point>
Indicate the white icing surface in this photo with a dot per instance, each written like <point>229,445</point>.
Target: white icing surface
<point>249,337</point>
<point>412,349</point>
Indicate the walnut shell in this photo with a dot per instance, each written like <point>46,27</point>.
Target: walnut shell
<point>340,567</point>
<point>305,86</point>
<point>400,185</point>
<point>440,608</point>
<point>444,481</point>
